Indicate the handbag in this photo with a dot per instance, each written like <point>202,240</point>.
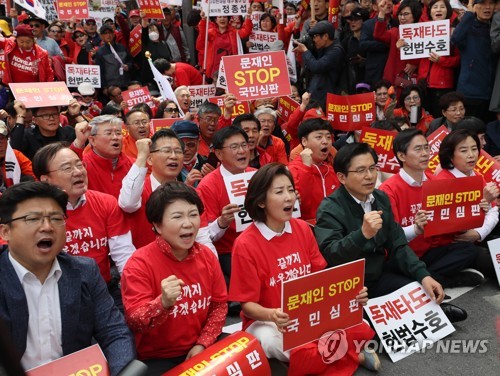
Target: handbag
<point>403,80</point>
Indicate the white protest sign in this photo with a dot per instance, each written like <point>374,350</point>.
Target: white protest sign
<point>33,6</point>
<point>422,38</point>
<point>494,246</point>
<point>262,41</point>
<point>199,94</point>
<point>98,16</point>
<point>221,78</point>
<point>407,320</point>
<point>226,7</point>
<point>255,17</point>
<point>77,74</point>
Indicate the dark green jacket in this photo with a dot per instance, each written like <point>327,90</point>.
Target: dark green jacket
<point>339,236</point>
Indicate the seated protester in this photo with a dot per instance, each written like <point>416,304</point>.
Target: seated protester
<point>192,163</point>
<point>25,61</point>
<point>113,109</point>
<point>210,120</point>
<point>274,235</point>
<point>492,138</point>
<point>453,110</point>
<point>274,146</point>
<point>251,125</point>
<point>53,304</point>
<point>115,95</point>
<point>382,99</point>
<point>47,128</point>
<point>183,74</point>
<point>167,110</point>
<point>106,164</point>
<point>231,148</point>
<point>95,225</point>
<point>137,124</point>
<point>14,165</point>
<point>458,155</point>
<point>445,260</point>
<point>312,170</point>
<point>167,275</point>
<point>356,221</point>
<point>411,98</point>
<point>475,125</point>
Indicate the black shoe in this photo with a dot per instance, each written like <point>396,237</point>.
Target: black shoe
<point>234,308</point>
<point>454,313</point>
<point>465,279</point>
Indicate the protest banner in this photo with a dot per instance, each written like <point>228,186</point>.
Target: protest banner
<point>350,112</point>
<point>407,320</point>
<point>221,78</point>
<point>286,106</point>
<point>151,8</point>
<point>77,74</point>
<point>50,9</point>
<point>136,96</point>
<point>33,6</point>
<point>199,94</point>
<point>321,302</point>
<point>41,94</point>
<point>99,15</point>
<point>435,139</point>
<point>240,107</point>
<point>333,12</point>
<point>225,7</point>
<point>494,247</point>
<point>236,187</point>
<point>135,42</point>
<point>260,75</point>
<point>89,361</point>
<point>157,124</point>
<point>452,205</point>
<point>422,38</point>
<point>2,63</point>
<point>262,41</point>
<point>104,6</point>
<point>381,141</point>
<point>69,9</point>
<point>238,354</point>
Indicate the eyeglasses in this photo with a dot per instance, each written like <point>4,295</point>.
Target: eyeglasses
<point>68,169</point>
<point>138,123</point>
<point>210,119</point>
<point>171,110</point>
<point>363,171</point>
<point>36,25</point>
<point>405,14</point>
<point>110,134</point>
<point>236,147</point>
<point>456,109</point>
<point>79,36</point>
<point>168,151</point>
<point>91,23</point>
<point>37,219</point>
<point>415,98</point>
<point>55,31</point>
<point>53,115</point>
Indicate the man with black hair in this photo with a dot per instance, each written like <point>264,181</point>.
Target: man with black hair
<point>183,74</point>
<point>251,125</point>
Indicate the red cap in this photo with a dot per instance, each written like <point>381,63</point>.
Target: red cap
<point>314,113</point>
<point>134,13</point>
<point>23,30</point>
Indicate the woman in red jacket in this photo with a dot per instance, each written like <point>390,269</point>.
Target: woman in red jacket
<point>411,97</point>
<point>438,72</point>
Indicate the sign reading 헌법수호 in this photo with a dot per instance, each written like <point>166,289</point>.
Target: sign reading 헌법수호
<point>381,141</point>
<point>77,74</point>
<point>321,302</point>
<point>262,41</point>
<point>236,187</point>
<point>350,112</point>
<point>255,76</point>
<point>41,94</point>
<point>240,108</point>
<point>238,354</point>
<point>68,9</point>
<point>422,38</point>
<point>89,361</point>
<point>451,206</point>
<point>406,320</point>
<point>199,94</point>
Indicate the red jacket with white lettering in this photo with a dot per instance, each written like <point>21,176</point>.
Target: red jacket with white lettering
<point>45,73</point>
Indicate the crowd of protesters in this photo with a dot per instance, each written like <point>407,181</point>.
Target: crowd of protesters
<point>152,209</point>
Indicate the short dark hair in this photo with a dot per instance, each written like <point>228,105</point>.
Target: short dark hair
<point>402,140</point>
<point>112,108</point>
<point>472,123</point>
<point>381,83</point>
<point>449,10</point>
<point>246,117</point>
<point>310,125</point>
<point>162,65</point>
<point>35,110</point>
<point>28,190</point>
<point>415,8</point>
<point>258,187</point>
<point>161,108</point>
<point>132,111</point>
<point>452,97</point>
<point>208,108</point>
<point>270,16</point>
<point>346,153</point>
<point>406,91</point>
<point>143,107</point>
<point>134,83</point>
<point>388,125</point>
<point>227,132</point>
<point>450,142</point>
<point>44,156</point>
<point>166,195</point>
<point>164,133</point>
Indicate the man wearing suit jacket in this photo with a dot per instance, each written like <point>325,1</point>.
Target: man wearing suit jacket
<point>53,304</point>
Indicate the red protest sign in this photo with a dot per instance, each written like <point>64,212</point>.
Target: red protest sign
<point>333,12</point>
<point>158,124</point>
<point>435,139</point>
<point>41,94</point>
<point>489,167</point>
<point>452,205</point>
<point>321,302</point>
<point>381,141</point>
<point>135,43</point>
<point>350,112</point>
<point>240,108</point>
<point>151,9</point>
<point>259,75</point>
<point>68,9</point>
<point>238,354</point>
<point>89,361</point>
<point>136,96</point>
<point>286,106</point>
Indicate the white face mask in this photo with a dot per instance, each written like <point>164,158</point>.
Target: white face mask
<point>154,36</point>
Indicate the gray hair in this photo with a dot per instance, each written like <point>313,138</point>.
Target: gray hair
<point>180,88</point>
<point>265,111</point>
<point>104,119</point>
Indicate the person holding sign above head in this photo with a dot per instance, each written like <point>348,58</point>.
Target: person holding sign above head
<point>356,221</point>
<point>276,236</point>
<point>25,61</point>
<point>173,289</point>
